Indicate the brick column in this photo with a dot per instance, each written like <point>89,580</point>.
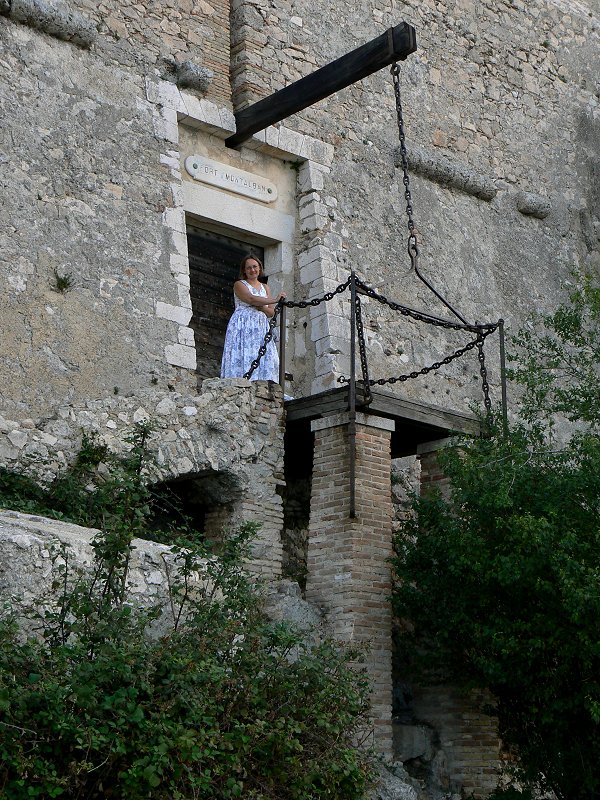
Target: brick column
<point>348,572</point>
<point>467,735</point>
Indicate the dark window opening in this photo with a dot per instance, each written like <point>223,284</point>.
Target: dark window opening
<point>199,506</point>
<point>214,267</point>
<point>298,466</point>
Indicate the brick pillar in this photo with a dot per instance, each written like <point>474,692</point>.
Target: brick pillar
<point>348,572</point>
<point>467,736</point>
<point>267,548</point>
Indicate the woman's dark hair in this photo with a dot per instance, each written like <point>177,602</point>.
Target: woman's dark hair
<point>243,265</point>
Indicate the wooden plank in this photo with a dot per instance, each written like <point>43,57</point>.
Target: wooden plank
<point>398,408</point>
<point>394,45</point>
<point>314,410</point>
<point>386,405</point>
<point>313,406</point>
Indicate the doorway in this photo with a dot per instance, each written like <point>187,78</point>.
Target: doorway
<point>214,267</point>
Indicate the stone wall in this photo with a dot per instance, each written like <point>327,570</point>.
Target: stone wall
<point>31,549</point>
<point>186,42</point>
<point>500,95</point>
<point>228,440</point>
<point>87,192</point>
<point>502,125</point>
<point>501,120</point>
<point>30,545</point>
<point>432,476</point>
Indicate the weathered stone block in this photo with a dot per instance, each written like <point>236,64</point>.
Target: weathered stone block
<point>447,172</point>
<point>181,356</point>
<point>173,313</point>
<point>533,205</point>
<point>57,20</point>
<point>193,76</point>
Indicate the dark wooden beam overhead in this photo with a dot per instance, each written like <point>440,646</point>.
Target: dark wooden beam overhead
<point>394,45</point>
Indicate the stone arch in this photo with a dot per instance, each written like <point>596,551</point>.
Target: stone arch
<point>209,498</point>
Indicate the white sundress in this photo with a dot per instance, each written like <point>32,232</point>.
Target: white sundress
<point>245,334</point>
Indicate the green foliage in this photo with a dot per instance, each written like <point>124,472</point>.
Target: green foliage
<point>558,364</point>
<point>101,490</point>
<point>62,282</point>
<point>501,582</point>
<point>224,704</point>
<point>511,793</point>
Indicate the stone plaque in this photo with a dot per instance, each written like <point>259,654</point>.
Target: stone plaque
<point>235,180</point>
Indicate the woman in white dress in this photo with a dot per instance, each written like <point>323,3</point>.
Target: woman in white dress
<point>248,324</point>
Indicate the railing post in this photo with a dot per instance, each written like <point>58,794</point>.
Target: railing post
<point>503,377</point>
<point>352,397</point>
<point>282,347</point>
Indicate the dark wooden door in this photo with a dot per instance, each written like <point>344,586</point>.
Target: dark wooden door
<point>214,267</point>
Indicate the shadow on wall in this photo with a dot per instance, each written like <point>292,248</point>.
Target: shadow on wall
<point>203,501</point>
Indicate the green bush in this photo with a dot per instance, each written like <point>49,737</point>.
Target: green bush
<point>226,704</point>
<point>501,581</point>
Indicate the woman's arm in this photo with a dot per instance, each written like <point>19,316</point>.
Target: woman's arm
<point>269,310</point>
<point>264,304</point>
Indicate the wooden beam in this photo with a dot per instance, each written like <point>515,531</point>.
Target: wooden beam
<point>385,404</point>
<point>394,45</point>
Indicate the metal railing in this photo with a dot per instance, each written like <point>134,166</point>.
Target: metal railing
<point>357,287</point>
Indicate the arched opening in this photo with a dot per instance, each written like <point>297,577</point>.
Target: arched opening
<point>200,505</point>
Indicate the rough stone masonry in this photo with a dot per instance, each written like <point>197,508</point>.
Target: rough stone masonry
<point>101,102</point>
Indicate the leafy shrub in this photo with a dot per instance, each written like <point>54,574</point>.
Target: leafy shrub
<point>501,581</point>
<point>227,704</point>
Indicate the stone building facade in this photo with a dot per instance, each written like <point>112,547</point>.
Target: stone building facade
<point>113,120</point>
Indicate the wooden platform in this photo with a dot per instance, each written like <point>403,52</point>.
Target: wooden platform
<point>416,423</point>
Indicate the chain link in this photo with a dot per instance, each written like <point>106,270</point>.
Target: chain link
<point>268,337</point>
<point>412,237</point>
<point>482,331</point>
<point>291,304</point>
<point>362,350</point>
<point>483,372</point>
<point>318,300</point>
<point>418,316</point>
<point>478,342</point>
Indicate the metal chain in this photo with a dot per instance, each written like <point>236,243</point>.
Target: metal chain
<point>268,337</point>
<point>413,249</point>
<point>362,350</point>
<point>412,237</point>
<point>418,316</point>
<point>317,300</point>
<point>290,304</point>
<point>483,331</point>
<point>478,342</point>
<point>483,372</point>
